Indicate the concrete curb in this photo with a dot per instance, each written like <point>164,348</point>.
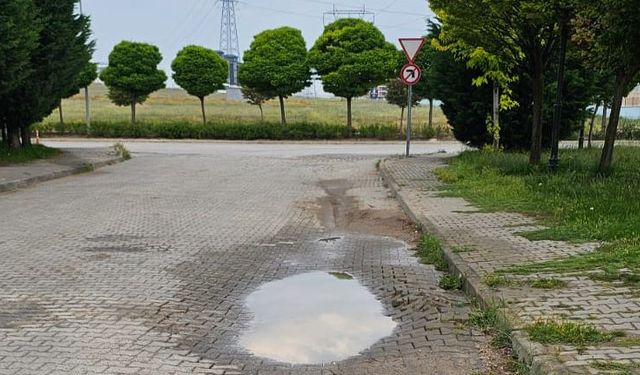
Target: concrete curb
<point>540,360</point>
<point>30,181</point>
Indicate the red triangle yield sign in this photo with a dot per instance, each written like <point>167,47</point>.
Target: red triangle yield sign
<point>411,47</point>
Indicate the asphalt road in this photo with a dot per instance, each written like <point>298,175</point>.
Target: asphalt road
<point>146,267</point>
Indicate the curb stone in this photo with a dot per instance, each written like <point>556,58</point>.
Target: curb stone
<point>540,360</point>
<point>30,181</point>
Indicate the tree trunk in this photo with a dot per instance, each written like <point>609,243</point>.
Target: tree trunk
<point>283,115</point>
<point>13,135</point>
<point>25,135</point>
<point>401,118</point>
<point>261,113</point>
<point>612,127</point>
<point>430,113</point>
<point>60,112</point>
<point>593,121</point>
<point>3,130</point>
<point>204,115</point>
<point>604,117</point>
<point>349,118</point>
<point>133,110</point>
<point>495,116</point>
<point>538,103</point>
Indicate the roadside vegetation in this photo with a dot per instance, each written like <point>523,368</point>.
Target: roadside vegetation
<point>576,204</point>
<point>489,321</point>
<point>25,154</point>
<point>569,333</point>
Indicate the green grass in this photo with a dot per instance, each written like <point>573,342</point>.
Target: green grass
<point>450,282</point>
<point>121,151</point>
<point>576,204</point>
<point>175,105</point>
<point>489,322</point>
<point>610,259</point>
<point>25,155</point>
<point>570,333</point>
<point>548,284</point>
<point>430,252</point>
<point>615,368</point>
<point>341,275</point>
<point>581,205</point>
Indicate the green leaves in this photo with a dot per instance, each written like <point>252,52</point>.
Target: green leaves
<point>200,71</point>
<point>352,56</point>
<point>276,63</point>
<point>133,69</point>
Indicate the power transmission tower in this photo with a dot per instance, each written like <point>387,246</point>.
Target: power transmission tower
<point>229,45</point>
<point>336,14</point>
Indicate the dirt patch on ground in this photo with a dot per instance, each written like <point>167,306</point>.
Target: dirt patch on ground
<point>342,212</point>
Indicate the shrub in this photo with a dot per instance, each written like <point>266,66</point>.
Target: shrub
<point>228,131</point>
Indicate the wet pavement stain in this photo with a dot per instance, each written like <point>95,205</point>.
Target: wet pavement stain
<point>314,318</point>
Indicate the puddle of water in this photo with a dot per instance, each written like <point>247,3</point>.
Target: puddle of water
<point>314,318</point>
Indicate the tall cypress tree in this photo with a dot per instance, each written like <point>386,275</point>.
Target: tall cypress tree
<point>63,51</point>
<point>18,38</point>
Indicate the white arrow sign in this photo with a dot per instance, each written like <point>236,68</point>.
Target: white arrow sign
<point>411,47</point>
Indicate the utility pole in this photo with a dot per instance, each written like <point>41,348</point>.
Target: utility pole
<point>87,106</point>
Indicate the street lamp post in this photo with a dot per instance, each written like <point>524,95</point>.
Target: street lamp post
<point>87,107</point>
<point>554,160</point>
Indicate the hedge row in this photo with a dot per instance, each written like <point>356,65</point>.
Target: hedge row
<point>227,131</point>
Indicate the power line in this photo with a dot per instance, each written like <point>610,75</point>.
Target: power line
<point>279,10</point>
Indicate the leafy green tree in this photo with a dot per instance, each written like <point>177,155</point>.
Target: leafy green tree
<point>133,70</point>
<point>201,72</point>
<point>609,32</point>
<point>514,33</point>
<point>19,29</point>
<point>276,65</point>
<point>122,98</point>
<point>398,94</point>
<point>63,51</point>
<point>254,98</point>
<point>424,88</point>
<point>83,80</point>
<point>352,56</point>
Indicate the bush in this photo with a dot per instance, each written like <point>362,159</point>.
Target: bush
<point>227,131</point>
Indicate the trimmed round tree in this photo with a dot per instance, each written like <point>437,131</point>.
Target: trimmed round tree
<point>276,65</point>
<point>133,71</point>
<point>200,72</point>
<point>352,57</point>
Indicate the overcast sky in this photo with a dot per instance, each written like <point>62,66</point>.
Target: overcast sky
<point>172,24</point>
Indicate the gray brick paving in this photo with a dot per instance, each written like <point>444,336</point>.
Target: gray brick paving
<point>490,242</point>
<point>143,268</point>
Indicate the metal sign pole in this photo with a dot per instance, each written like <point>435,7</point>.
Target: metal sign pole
<point>87,109</point>
<point>409,108</point>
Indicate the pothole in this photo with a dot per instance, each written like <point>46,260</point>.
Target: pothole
<point>314,318</point>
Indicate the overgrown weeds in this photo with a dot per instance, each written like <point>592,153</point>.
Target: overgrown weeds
<point>121,151</point>
<point>571,333</point>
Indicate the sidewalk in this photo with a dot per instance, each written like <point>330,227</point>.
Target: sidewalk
<point>71,161</point>
<point>477,243</point>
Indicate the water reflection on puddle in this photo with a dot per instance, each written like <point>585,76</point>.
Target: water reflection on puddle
<point>314,318</point>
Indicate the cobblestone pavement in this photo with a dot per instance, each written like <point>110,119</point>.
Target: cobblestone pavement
<point>485,242</point>
<point>71,161</point>
<point>143,267</point>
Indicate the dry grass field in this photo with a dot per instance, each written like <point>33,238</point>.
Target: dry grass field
<point>171,105</point>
